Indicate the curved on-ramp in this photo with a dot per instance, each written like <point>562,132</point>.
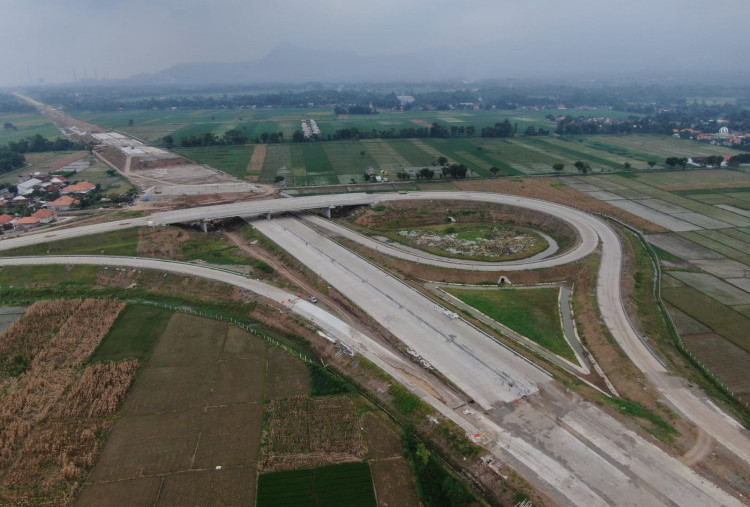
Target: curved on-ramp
<point>588,238</point>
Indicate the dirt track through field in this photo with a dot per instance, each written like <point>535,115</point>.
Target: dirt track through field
<point>256,161</point>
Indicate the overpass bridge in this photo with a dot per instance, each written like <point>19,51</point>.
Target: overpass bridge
<point>266,207</point>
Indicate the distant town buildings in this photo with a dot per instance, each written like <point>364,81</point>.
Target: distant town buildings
<point>310,128</point>
<point>37,200</point>
<point>724,137</point>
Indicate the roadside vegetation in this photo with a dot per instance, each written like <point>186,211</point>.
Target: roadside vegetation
<point>123,242</point>
<point>648,419</point>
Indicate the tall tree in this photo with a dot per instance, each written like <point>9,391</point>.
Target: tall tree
<point>583,167</point>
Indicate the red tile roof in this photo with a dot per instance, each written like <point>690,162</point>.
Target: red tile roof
<point>43,213</point>
<point>82,186</point>
<point>27,221</point>
<point>65,200</point>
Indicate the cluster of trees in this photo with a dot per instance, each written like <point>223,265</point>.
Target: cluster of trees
<point>437,487</point>
<point>10,104</point>
<point>714,160</point>
<point>586,125</point>
<point>531,130</point>
<point>10,160</point>
<point>737,160</point>
<point>583,167</point>
<point>230,137</point>
<point>455,171</point>
<point>673,162</point>
<point>354,109</point>
<point>437,130</point>
<point>11,156</point>
<point>501,129</point>
<point>218,97</point>
<point>423,174</point>
<point>38,143</point>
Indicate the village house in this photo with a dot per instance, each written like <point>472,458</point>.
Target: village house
<point>40,217</point>
<point>64,203</point>
<point>6,222</point>
<point>45,216</point>
<point>80,188</point>
<point>26,187</point>
<point>26,223</point>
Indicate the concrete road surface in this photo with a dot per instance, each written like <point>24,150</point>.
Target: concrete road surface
<point>484,369</point>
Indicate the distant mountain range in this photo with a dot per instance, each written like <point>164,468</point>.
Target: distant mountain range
<point>293,64</point>
<point>288,64</point>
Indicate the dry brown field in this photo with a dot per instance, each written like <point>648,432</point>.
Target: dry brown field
<point>287,376</point>
<point>191,426</point>
<point>54,413</point>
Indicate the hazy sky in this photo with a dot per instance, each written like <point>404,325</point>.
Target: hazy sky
<point>50,38</point>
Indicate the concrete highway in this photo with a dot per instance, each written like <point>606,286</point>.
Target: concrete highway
<point>576,453</point>
<point>691,404</point>
<point>486,371</point>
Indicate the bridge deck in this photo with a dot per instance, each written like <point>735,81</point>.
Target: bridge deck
<point>261,207</point>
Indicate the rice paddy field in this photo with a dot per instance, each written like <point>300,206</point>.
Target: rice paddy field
<point>340,162</point>
<point>705,259</point>
<point>27,124</point>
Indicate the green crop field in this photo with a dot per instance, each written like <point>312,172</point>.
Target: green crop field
<point>134,334</point>
<point>349,484</point>
<point>661,147</point>
<point>27,124</point>
<point>230,159</point>
<point>533,313</point>
<point>728,323</point>
<point>342,161</point>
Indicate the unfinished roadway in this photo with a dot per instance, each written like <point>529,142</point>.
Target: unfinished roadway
<point>570,449</point>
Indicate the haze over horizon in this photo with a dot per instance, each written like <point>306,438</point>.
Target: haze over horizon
<point>58,42</point>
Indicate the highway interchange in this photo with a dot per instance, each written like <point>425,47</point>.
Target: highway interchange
<point>570,449</point>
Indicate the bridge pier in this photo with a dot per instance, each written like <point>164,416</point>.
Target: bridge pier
<point>268,216</point>
<point>327,212</point>
<point>204,225</point>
